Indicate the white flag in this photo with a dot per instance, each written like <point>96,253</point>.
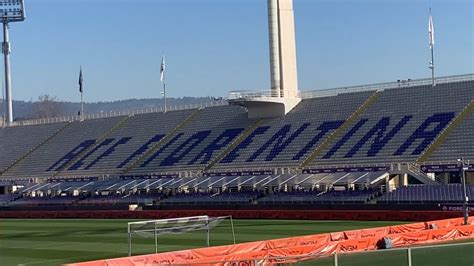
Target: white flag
<point>162,68</point>
<point>431,31</point>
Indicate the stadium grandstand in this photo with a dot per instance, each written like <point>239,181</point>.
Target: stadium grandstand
<point>350,145</point>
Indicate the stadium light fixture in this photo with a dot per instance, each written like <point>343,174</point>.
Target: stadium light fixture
<point>464,167</point>
<point>10,11</point>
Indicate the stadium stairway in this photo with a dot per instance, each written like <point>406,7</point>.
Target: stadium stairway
<point>35,148</point>
<point>414,170</point>
<point>234,144</point>
<point>400,125</point>
<point>455,123</point>
<point>119,124</point>
<point>336,133</point>
<point>164,140</point>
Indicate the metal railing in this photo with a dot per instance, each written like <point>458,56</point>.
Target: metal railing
<point>412,256</point>
<point>100,115</point>
<point>443,162</point>
<point>415,169</point>
<point>244,94</point>
<point>359,88</point>
<point>409,256</point>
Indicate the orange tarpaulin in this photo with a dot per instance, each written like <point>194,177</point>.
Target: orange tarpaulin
<point>318,245</point>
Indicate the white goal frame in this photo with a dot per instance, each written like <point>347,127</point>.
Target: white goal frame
<point>156,231</point>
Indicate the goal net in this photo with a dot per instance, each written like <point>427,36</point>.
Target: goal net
<point>156,228</point>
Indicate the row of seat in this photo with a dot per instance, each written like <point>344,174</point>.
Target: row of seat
<point>405,133</point>
<point>452,193</point>
<point>204,182</point>
<point>397,127</point>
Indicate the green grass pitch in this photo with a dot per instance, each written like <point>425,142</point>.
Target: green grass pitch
<point>55,242</point>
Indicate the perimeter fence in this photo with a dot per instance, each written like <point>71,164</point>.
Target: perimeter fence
<point>459,254</point>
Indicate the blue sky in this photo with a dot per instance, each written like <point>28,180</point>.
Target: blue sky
<point>214,46</point>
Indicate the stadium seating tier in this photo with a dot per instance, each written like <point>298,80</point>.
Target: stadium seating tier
<point>397,126</point>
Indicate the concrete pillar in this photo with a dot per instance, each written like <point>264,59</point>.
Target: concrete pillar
<point>288,68</point>
<point>389,183</point>
<point>274,39</point>
<point>404,181</point>
<point>283,68</point>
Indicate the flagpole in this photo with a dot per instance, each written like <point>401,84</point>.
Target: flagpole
<point>81,90</point>
<point>433,82</point>
<point>82,106</point>
<point>164,91</point>
<point>4,116</point>
<point>162,79</point>
<point>431,38</point>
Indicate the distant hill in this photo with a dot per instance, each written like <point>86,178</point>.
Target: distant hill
<point>25,110</point>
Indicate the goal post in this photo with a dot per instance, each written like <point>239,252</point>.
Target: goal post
<point>155,228</point>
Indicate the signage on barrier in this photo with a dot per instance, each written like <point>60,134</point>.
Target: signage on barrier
<point>439,168</point>
<point>346,169</point>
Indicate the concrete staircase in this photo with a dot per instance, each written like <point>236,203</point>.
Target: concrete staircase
<point>118,125</point>
<point>336,133</point>
<point>35,148</point>
<point>164,140</point>
<point>441,138</point>
<point>234,144</point>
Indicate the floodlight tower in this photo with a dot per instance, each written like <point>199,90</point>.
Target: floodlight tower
<point>284,94</point>
<point>10,11</point>
<point>281,28</point>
